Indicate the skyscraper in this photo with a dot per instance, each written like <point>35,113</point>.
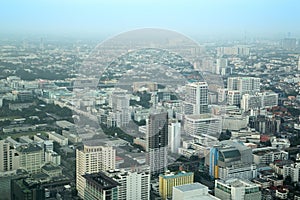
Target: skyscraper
<point>92,159</point>
<point>196,100</point>
<point>174,130</point>
<point>157,142</point>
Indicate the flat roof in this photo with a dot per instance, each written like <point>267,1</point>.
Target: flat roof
<point>101,181</point>
<point>190,187</point>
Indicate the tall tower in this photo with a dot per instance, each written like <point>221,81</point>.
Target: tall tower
<point>157,142</point>
<point>196,101</point>
<point>92,159</point>
<point>174,130</point>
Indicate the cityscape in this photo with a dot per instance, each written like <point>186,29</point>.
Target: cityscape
<point>145,108</point>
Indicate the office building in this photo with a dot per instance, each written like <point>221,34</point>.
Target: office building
<point>171,179</point>
<point>193,191</point>
<point>259,101</point>
<point>31,157</point>
<point>236,189</point>
<point>174,132</point>
<point>244,84</point>
<point>196,99</point>
<point>157,141</point>
<point>202,124</point>
<point>99,186</point>
<point>92,158</point>
<point>234,97</point>
<point>9,159</point>
<point>119,102</point>
<point>133,184</point>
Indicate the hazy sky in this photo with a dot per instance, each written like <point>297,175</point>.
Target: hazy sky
<point>202,17</point>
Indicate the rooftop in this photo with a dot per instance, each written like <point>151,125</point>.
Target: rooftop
<point>101,181</point>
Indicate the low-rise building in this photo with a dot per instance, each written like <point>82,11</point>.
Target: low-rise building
<point>193,191</point>
<point>237,189</point>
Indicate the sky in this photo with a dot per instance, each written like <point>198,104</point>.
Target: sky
<point>191,17</point>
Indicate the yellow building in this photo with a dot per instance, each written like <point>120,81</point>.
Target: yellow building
<point>170,179</point>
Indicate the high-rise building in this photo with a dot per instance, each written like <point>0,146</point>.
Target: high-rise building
<point>234,97</point>
<point>157,142</point>
<point>92,159</point>
<point>221,64</point>
<point>292,170</point>
<point>9,159</point>
<point>222,95</point>
<point>259,100</point>
<point>192,191</point>
<point>99,186</point>
<point>299,63</point>
<point>196,100</point>
<point>31,157</point>
<point>170,179</point>
<point>174,130</point>
<point>134,185</point>
<point>120,106</point>
<point>244,84</point>
<point>237,189</point>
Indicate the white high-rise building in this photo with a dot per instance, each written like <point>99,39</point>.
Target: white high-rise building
<point>196,100</point>
<point>259,101</point>
<point>234,97</point>
<point>244,84</point>
<point>293,171</point>
<point>134,185</point>
<point>299,64</point>
<point>119,103</point>
<point>9,160</point>
<point>32,157</point>
<point>221,64</point>
<point>222,95</point>
<point>92,159</point>
<point>174,130</point>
